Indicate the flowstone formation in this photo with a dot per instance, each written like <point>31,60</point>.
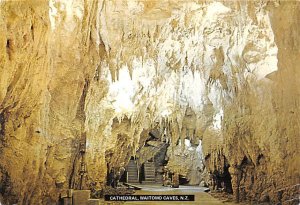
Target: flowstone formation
<point>82,82</point>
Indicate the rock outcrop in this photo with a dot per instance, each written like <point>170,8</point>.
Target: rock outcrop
<point>258,141</point>
<point>104,73</point>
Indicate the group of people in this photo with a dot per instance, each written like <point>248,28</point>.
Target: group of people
<point>115,176</point>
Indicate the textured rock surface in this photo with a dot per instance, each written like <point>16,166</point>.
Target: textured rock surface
<point>261,125</point>
<point>224,72</point>
<point>187,160</point>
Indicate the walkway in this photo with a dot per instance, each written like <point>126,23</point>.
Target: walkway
<point>201,197</point>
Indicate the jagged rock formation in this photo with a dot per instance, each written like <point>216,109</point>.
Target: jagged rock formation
<point>184,158</point>
<point>106,73</point>
<point>187,160</point>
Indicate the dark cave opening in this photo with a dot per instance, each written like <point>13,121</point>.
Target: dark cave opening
<point>123,178</point>
<point>222,178</point>
<point>142,173</point>
<point>227,180</point>
<point>183,180</point>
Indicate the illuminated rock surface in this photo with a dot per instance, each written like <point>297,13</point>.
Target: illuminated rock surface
<point>226,73</point>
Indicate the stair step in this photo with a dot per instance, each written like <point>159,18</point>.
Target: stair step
<point>67,201</point>
<point>81,197</point>
<point>159,178</point>
<point>93,202</point>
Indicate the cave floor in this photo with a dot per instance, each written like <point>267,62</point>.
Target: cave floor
<point>201,197</point>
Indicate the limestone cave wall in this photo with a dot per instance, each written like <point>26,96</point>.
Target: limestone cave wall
<point>261,125</point>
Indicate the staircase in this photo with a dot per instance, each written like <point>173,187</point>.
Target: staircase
<point>79,197</point>
<point>132,172</point>
<point>149,168</point>
<point>159,178</point>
